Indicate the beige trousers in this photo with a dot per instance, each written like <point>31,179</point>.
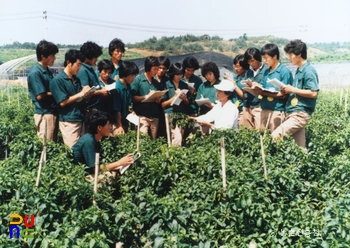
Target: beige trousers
<point>51,126</point>
<point>251,117</point>
<point>149,123</point>
<point>71,132</point>
<point>294,124</point>
<point>276,119</point>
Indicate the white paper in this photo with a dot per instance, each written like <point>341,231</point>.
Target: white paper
<point>275,82</point>
<point>248,89</point>
<point>247,82</point>
<point>154,95</point>
<point>133,118</point>
<point>110,87</point>
<point>177,99</point>
<point>91,90</point>
<point>124,168</point>
<point>190,84</point>
<point>203,101</point>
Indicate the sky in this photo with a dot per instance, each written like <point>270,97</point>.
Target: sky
<point>77,21</point>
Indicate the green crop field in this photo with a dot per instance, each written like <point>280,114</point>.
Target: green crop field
<point>174,197</point>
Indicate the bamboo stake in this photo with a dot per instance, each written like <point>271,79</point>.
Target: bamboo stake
<point>97,168</point>
<point>138,136</point>
<point>97,165</point>
<point>223,164</point>
<point>341,97</point>
<point>346,101</point>
<point>6,145</point>
<point>263,156</point>
<point>18,100</point>
<point>252,244</point>
<point>262,147</point>
<point>43,156</point>
<point>167,129</point>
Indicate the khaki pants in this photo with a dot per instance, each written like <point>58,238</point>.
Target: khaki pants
<point>276,119</point>
<point>176,136</point>
<point>240,118</point>
<point>294,124</point>
<point>251,117</point>
<point>149,123</point>
<point>71,132</point>
<point>51,126</point>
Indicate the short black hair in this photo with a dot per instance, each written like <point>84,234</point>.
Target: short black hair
<point>151,61</point>
<point>242,62</point>
<point>229,94</point>
<point>297,47</point>
<point>114,44</point>
<point>252,52</point>
<point>164,61</point>
<point>91,50</point>
<point>97,118</point>
<point>72,55</point>
<point>45,48</point>
<point>271,50</point>
<point>211,66</point>
<point>105,64</point>
<point>175,69</point>
<point>190,62</point>
<point>127,68</point>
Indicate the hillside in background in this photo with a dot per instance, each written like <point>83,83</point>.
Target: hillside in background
<point>179,45</point>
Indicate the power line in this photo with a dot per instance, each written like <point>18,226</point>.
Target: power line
<point>146,28</point>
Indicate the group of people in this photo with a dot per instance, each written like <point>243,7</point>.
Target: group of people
<point>87,105</point>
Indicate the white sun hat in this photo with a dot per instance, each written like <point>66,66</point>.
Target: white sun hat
<point>225,85</point>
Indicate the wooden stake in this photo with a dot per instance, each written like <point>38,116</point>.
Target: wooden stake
<point>262,146</point>
<point>18,101</point>
<point>223,164</point>
<point>6,145</point>
<point>167,129</point>
<point>97,165</point>
<point>346,101</point>
<point>263,156</point>
<point>252,244</point>
<point>43,155</point>
<point>138,136</point>
<point>341,97</point>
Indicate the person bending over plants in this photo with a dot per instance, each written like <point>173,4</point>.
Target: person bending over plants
<point>225,113</point>
<point>84,151</point>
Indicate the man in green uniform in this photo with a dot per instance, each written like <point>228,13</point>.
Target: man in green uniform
<point>84,151</point>
<point>39,79</point>
<point>303,94</point>
<point>251,109</point>
<point>273,104</point>
<point>87,75</point>
<point>69,95</point>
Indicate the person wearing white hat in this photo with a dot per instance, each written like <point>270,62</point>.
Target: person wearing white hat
<point>225,113</point>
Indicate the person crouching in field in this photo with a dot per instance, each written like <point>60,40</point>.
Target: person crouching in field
<point>39,79</point>
<point>224,114</point>
<point>302,97</point>
<point>84,151</point>
<point>69,95</point>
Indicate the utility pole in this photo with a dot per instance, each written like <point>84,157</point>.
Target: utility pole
<point>45,18</point>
